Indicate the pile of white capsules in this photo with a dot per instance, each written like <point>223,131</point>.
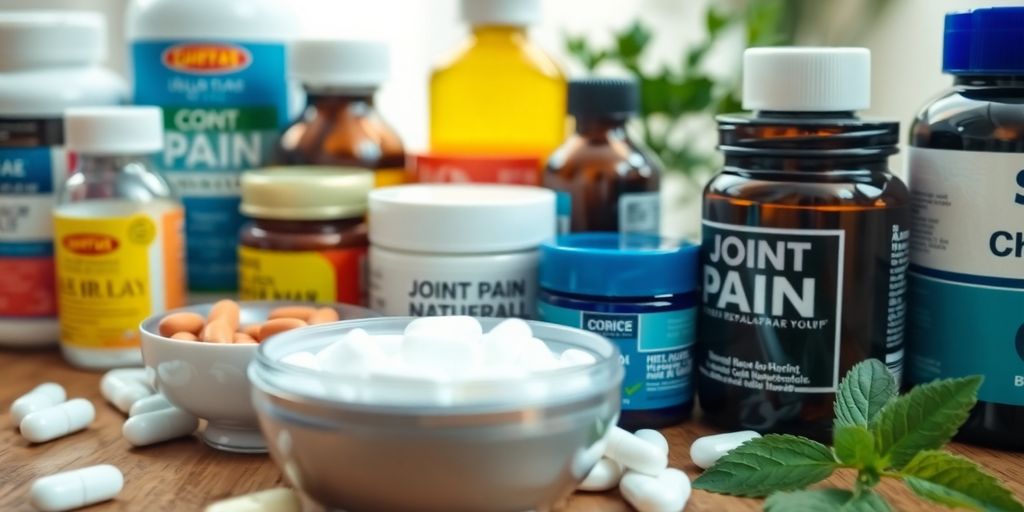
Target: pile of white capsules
<point>442,361</point>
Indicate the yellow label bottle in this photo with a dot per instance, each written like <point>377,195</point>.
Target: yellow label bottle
<point>119,243</point>
<point>499,96</point>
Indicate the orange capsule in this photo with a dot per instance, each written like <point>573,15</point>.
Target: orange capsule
<point>226,310</point>
<point>323,316</point>
<point>181,322</point>
<point>301,312</point>
<point>252,330</point>
<point>241,337</point>
<point>279,325</point>
<point>219,331</point>
<point>184,336</point>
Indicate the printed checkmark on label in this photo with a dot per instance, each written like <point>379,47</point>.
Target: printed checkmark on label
<point>632,390</point>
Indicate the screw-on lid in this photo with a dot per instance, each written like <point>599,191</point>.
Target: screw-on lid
<point>501,12</point>
<point>804,79</point>
<point>603,97</point>
<point>618,265</point>
<point>340,63</point>
<point>984,41</point>
<point>114,130</point>
<point>471,218</point>
<point>305,193</point>
<point>33,38</point>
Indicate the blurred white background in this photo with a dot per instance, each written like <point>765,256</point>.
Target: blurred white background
<point>906,42</point>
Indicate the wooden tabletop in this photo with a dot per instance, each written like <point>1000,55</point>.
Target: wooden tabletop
<point>186,475</point>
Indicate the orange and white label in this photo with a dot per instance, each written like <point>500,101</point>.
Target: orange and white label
<point>476,169</point>
<point>206,58</point>
<point>113,272</point>
<point>326,277</point>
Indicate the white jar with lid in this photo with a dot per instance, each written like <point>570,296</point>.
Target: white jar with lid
<point>49,61</point>
<point>444,249</point>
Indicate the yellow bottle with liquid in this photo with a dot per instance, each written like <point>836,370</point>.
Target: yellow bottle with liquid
<point>497,106</point>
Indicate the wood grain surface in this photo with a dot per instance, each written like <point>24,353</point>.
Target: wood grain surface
<point>186,475</point>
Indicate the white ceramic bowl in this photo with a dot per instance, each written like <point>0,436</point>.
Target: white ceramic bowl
<point>209,380</point>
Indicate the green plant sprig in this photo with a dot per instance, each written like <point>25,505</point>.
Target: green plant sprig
<point>880,435</point>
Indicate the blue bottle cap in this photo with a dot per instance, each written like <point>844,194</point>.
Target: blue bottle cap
<point>618,265</point>
<point>986,41</point>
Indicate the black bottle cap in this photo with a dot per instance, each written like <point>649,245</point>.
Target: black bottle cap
<point>603,97</point>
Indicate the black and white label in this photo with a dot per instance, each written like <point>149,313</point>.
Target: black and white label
<point>772,307</point>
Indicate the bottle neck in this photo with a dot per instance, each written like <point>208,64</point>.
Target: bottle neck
<point>339,98</point>
<point>600,127</point>
<point>498,33</point>
<point>990,80</point>
<point>100,164</point>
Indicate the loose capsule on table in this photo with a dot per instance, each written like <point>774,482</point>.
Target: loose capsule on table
<point>151,403</point>
<point>58,421</point>
<point>635,453</point>
<point>271,500</point>
<point>124,387</point>
<point>41,397</point>
<point>159,426</point>
<point>605,476</point>
<point>667,492</point>
<point>706,451</point>
<point>77,488</point>
<point>653,437</point>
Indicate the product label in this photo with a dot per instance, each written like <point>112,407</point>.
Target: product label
<point>786,282</point>
<point>307,276</point>
<point>471,169</point>
<point>225,104</point>
<point>113,272</point>
<point>967,273</point>
<point>32,166</point>
<point>656,351</point>
<point>640,213</point>
<point>503,288</point>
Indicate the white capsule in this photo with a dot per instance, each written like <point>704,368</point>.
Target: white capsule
<point>42,396</point>
<point>667,492</point>
<point>355,353</point>
<point>306,360</point>
<point>635,453</point>
<point>271,500</point>
<point>454,350</point>
<point>536,356</point>
<point>58,421</point>
<point>159,426</point>
<point>706,451</point>
<point>77,488</point>
<point>605,475</point>
<point>151,403</point>
<point>124,386</point>
<point>576,357</point>
<point>654,437</point>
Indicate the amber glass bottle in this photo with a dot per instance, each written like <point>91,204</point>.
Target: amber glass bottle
<point>966,170</point>
<point>605,181</point>
<point>804,244</point>
<point>340,126</point>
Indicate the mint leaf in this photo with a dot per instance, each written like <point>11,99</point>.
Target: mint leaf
<point>865,389</point>
<point>925,418</point>
<point>957,482</point>
<point>855,445</point>
<point>766,464</point>
<point>825,500</point>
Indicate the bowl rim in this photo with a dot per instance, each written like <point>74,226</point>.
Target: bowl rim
<point>263,368</point>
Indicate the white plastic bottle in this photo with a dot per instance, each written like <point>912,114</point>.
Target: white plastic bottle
<point>218,68</point>
<point>118,236</point>
<point>49,61</point>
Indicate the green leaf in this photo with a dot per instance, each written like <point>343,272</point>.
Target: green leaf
<point>867,387</point>
<point>767,464</point>
<point>825,500</point>
<point>925,418</point>
<point>957,482</point>
<point>630,43</point>
<point>855,445</point>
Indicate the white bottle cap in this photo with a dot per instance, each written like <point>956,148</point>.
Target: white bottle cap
<point>804,79</point>
<point>33,38</point>
<point>114,130</point>
<point>340,63</point>
<point>449,218</point>
<point>501,12</point>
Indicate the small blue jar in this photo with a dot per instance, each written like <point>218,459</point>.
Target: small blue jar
<point>641,292</point>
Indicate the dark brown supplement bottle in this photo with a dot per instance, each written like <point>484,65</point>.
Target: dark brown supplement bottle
<point>804,244</point>
<point>605,181</point>
<point>306,237</point>
<point>966,170</point>
<point>340,126</point>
